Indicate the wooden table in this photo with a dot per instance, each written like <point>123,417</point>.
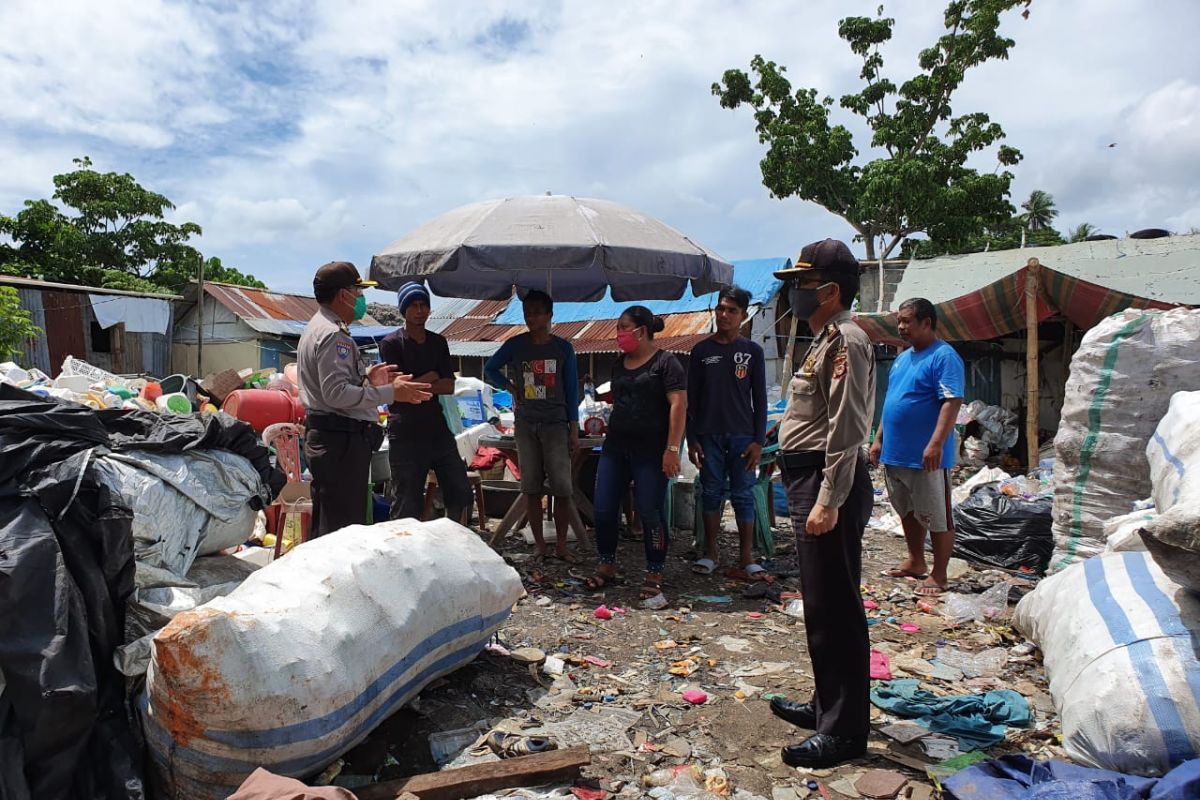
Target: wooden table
<point>515,516</point>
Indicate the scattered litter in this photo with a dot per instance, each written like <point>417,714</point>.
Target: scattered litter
<point>974,665</point>
<point>795,608</point>
<point>695,697</point>
<point>904,732</point>
<point>763,668</point>
<point>603,612</point>
<point>527,655</point>
<point>554,666</point>
<point>881,668</point>
<point>597,662</point>
<point>734,645</point>
<point>881,784</point>
<point>990,605</point>
<point>666,644</point>
<point>976,721</point>
<point>909,627</point>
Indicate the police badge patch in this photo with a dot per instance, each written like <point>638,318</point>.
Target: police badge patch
<point>343,350</point>
<point>839,363</point>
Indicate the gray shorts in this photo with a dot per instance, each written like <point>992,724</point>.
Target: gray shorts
<point>544,453</point>
<point>925,495</point>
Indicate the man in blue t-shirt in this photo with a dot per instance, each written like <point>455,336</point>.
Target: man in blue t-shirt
<point>726,428</point>
<point>543,379</point>
<point>925,391</point>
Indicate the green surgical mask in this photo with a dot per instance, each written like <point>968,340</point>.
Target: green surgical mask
<point>360,307</point>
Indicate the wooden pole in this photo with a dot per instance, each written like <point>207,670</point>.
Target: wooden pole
<point>1032,400</point>
<point>785,377</point>
<point>200,321</point>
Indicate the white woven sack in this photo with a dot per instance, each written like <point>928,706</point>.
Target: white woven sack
<point>1116,637</point>
<point>304,659</point>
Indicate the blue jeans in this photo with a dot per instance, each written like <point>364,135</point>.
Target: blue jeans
<point>723,461</point>
<point>613,474</point>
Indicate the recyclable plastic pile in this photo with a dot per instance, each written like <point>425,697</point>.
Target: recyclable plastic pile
<point>95,388</point>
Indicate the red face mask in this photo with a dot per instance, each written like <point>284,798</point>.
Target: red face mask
<point>627,341</point>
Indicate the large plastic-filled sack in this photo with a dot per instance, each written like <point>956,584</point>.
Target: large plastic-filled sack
<point>1000,530</point>
<point>1116,637</point>
<point>1173,538</point>
<point>1121,382</point>
<point>304,659</point>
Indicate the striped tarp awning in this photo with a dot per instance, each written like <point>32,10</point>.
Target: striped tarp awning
<point>999,308</point>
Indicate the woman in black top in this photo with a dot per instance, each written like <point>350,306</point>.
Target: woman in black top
<point>649,391</point>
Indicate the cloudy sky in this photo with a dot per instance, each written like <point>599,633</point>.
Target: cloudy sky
<point>300,132</point>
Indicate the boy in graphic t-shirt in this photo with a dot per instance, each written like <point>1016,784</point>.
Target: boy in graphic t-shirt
<point>542,377</point>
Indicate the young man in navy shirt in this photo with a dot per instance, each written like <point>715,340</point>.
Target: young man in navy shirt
<point>925,391</point>
<point>727,421</point>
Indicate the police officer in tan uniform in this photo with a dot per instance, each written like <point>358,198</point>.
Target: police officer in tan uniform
<point>831,402</point>
<point>342,400</point>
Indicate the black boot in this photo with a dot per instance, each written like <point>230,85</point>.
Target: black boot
<point>822,750</point>
<point>802,715</point>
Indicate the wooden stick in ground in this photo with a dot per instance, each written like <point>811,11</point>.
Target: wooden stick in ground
<point>555,766</point>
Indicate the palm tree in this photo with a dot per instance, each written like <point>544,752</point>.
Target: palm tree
<point>1082,231</point>
<point>1039,212</point>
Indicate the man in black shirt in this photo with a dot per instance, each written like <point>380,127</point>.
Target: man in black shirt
<point>419,439</point>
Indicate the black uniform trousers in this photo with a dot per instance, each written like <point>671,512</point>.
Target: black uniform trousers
<point>830,576</point>
<point>338,450</point>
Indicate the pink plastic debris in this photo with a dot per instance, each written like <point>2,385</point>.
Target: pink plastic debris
<point>597,662</point>
<point>603,612</point>
<point>695,697</point>
<point>755,615</point>
<point>881,666</point>
<point>908,627</point>
<point>870,605</point>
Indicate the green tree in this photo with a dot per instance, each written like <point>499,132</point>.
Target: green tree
<point>1082,231</point>
<point>919,181</point>
<point>111,232</point>
<point>1039,210</point>
<point>16,325</point>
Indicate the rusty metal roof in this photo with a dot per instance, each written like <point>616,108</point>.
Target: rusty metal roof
<point>673,344</point>
<point>249,303</point>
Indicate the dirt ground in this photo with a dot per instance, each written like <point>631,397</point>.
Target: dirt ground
<point>741,650</point>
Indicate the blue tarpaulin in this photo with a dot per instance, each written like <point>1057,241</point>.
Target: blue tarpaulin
<point>1019,778</point>
<point>755,275</point>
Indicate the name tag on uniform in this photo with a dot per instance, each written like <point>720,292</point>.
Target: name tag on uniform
<point>343,350</point>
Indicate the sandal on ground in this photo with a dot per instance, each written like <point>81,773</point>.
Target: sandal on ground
<point>930,590</point>
<point>897,572</point>
<point>751,573</point>
<point>599,580</point>
<point>567,557</point>
<point>652,596</point>
<point>704,566</point>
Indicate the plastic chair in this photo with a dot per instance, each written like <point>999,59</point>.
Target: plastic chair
<point>285,438</point>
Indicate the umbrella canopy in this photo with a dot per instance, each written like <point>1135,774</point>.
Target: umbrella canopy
<point>573,247</point>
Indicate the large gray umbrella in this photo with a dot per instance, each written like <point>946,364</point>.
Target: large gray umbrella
<point>575,247</point>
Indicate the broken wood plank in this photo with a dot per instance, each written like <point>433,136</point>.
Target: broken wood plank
<point>477,779</point>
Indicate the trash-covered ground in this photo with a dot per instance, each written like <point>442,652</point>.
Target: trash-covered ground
<point>564,670</point>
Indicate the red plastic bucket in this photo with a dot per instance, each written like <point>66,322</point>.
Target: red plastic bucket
<point>263,407</point>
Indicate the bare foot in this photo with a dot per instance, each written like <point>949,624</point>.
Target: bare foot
<point>908,569</point>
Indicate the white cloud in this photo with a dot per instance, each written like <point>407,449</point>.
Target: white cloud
<point>295,133</point>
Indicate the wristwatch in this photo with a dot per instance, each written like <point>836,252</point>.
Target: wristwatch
<point>672,448</point>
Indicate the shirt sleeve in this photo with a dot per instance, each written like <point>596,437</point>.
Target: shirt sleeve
<point>342,387</point>
<point>758,388</point>
<point>570,379</point>
<point>674,378</point>
<point>951,375</point>
<point>851,407</point>
<point>445,363</point>
<point>390,352</point>
<point>493,370</point>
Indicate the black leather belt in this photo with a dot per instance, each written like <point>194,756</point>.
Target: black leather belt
<point>800,459</point>
<point>322,421</point>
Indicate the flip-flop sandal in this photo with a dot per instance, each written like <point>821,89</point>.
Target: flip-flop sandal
<point>704,566</point>
<point>566,558</point>
<point>507,745</point>
<point>751,573</point>
<point>598,581</point>
<point>930,591</point>
<point>896,572</point>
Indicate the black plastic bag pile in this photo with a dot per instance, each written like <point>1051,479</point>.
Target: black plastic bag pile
<point>67,726</point>
<point>1010,533</point>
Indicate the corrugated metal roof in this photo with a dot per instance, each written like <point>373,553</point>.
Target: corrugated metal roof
<point>474,349</point>
<point>1166,270</point>
<point>34,283</point>
<point>754,275</point>
<point>674,344</point>
<point>249,303</point>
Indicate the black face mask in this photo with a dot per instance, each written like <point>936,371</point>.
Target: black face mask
<point>804,301</point>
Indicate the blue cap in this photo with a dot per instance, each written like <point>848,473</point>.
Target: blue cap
<point>408,293</point>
